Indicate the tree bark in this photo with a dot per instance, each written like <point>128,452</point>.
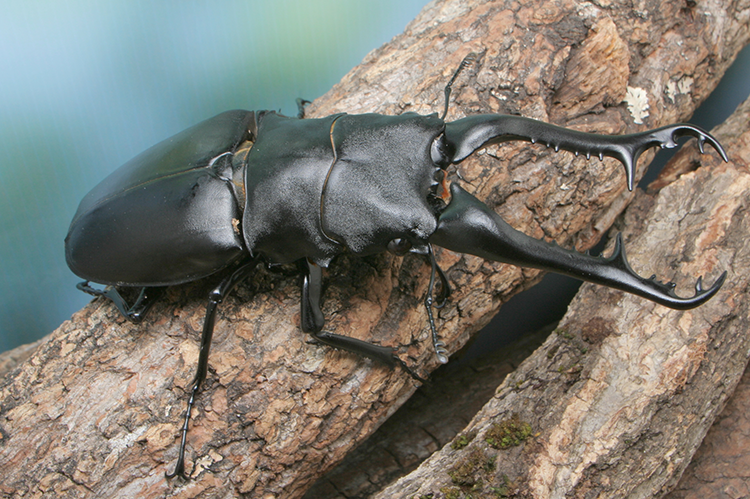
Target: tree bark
<point>436,414</point>
<point>720,466</point>
<point>96,409</point>
<point>620,396</point>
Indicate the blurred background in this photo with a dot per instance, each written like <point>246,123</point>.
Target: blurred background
<point>86,85</point>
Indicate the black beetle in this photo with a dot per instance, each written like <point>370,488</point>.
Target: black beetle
<point>245,187</point>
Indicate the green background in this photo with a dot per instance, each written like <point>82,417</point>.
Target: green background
<point>87,85</point>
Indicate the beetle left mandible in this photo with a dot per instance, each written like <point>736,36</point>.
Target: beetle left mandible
<point>245,187</point>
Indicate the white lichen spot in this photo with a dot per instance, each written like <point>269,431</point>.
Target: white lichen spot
<point>685,85</point>
<point>675,88</point>
<point>637,101</point>
<point>671,90</point>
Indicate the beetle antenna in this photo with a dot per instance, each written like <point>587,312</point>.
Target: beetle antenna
<point>468,61</point>
<point>301,103</point>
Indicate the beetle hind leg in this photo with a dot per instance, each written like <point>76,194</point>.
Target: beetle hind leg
<point>312,322</point>
<point>135,313</point>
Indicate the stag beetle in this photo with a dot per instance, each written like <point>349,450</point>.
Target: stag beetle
<point>251,186</point>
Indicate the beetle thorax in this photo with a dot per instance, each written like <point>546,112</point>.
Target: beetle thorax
<point>316,188</point>
<point>378,186</point>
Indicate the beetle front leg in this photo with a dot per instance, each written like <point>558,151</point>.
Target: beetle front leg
<point>468,226</point>
<point>312,322</point>
<point>445,291</point>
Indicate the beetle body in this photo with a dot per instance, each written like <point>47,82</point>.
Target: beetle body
<point>301,189</point>
<point>251,186</point>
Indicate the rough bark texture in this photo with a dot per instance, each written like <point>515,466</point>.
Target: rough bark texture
<point>96,409</point>
<point>621,395</point>
<point>433,416</point>
<point>430,419</point>
<point>721,467</point>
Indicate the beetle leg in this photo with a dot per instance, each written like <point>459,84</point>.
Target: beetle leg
<point>312,322</point>
<point>146,298</point>
<point>440,351</point>
<point>445,287</point>
<point>312,319</point>
<point>466,135</point>
<point>215,297</point>
<point>468,226</point>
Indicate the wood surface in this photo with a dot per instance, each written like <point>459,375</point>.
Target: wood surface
<point>622,393</point>
<point>95,409</point>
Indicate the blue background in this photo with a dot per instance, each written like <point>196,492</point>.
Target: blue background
<point>87,85</point>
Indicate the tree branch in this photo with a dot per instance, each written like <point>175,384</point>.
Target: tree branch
<point>96,409</point>
<point>620,396</point>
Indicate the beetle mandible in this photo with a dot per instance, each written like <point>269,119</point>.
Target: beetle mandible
<point>247,187</point>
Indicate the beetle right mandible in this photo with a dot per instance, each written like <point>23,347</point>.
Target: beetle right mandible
<point>247,187</point>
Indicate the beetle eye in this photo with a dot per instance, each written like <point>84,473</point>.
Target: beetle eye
<point>439,152</point>
<point>399,246</point>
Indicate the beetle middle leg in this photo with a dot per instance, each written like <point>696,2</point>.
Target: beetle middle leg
<point>312,322</point>
<point>215,297</point>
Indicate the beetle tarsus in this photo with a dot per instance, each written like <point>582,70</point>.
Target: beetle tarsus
<point>301,103</point>
<point>440,351</point>
<point>179,468</point>
<point>467,61</point>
